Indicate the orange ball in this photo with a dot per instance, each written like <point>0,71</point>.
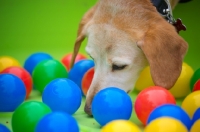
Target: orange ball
<point>196,86</point>
<point>67,58</point>
<point>150,98</point>
<point>87,80</point>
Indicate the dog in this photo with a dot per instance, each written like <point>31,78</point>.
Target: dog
<point>124,36</point>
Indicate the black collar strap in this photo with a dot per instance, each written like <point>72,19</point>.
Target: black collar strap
<point>164,8</point>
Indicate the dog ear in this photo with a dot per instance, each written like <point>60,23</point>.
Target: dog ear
<point>164,50</point>
<point>81,34</point>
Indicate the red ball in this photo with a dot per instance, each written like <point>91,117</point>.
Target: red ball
<point>67,58</point>
<point>150,98</point>
<point>23,75</point>
<point>87,80</point>
<point>197,86</point>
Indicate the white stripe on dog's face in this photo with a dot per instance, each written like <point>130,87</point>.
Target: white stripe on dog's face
<point>118,60</point>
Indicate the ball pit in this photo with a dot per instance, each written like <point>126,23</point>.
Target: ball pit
<point>12,92</point>
<point>111,104</point>
<point>48,29</point>
<point>63,92</point>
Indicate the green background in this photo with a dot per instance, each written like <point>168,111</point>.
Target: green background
<point>28,26</point>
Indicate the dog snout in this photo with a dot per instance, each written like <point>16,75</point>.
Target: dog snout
<point>88,110</point>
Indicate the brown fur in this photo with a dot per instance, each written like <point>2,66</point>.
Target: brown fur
<point>163,47</point>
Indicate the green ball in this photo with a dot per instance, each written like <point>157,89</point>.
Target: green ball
<point>27,115</point>
<point>46,71</point>
<point>194,79</point>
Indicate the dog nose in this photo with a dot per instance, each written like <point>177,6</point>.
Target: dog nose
<point>87,110</point>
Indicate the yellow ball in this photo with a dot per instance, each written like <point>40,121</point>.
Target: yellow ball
<point>191,103</point>
<point>182,85</point>
<point>120,126</point>
<point>144,79</point>
<point>7,61</point>
<point>196,126</point>
<point>165,124</point>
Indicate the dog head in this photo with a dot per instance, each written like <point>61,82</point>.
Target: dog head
<point>122,43</point>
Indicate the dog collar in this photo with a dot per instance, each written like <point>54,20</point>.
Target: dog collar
<point>164,8</point>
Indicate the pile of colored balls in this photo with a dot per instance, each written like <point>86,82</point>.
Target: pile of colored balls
<point>59,86</point>
<point>62,89</point>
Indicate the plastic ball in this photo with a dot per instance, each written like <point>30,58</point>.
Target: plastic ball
<point>3,128</point>
<point>150,98</point>
<point>23,75</point>
<point>144,80</point>
<point>27,115</point>
<point>196,86</point>
<point>79,69</point>
<point>87,80</point>
<point>63,92</point>
<point>196,116</point>
<point>182,85</point>
<point>195,127</point>
<point>35,59</point>
<point>170,110</point>
<point>7,61</point>
<point>120,126</point>
<point>67,59</point>
<point>165,124</point>
<point>12,92</point>
<point>46,71</point>
<point>195,77</point>
<point>111,104</point>
<point>57,122</point>
<point>191,103</point>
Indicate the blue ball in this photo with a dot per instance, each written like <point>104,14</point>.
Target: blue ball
<point>196,116</point>
<point>3,128</point>
<point>34,59</point>
<point>57,122</point>
<point>78,70</point>
<point>111,104</point>
<point>62,95</point>
<point>12,92</point>
<point>170,110</point>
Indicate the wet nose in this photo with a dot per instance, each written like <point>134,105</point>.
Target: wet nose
<point>88,110</point>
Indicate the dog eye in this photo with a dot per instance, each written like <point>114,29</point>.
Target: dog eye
<point>118,67</point>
